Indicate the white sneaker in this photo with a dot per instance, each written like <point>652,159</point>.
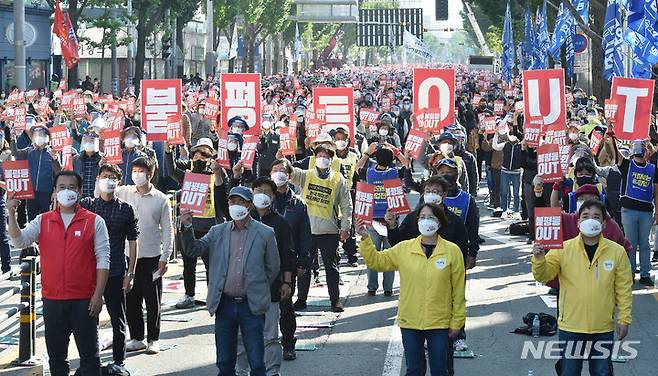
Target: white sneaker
<point>186,302</point>
<point>153,347</point>
<point>460,345</point>
<point>135,345</point>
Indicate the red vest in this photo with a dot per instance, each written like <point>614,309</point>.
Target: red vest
<point>68,260</point>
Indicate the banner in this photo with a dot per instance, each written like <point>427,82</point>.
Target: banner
<point>63,28</point>
<point>112,146</point>
<point>543,95</point>
<point>476,99</point>
<point>66,156</point>
<point>595,142</point>
<point>194,192</point>
<point>489,125</point>
<point>212,111</point>
<point>435,88</point>
<point>240,96</point>
<point>336,106</point>
<point>222,149</point>
<point>368,115</point>
<point>363,202</point>
<point>428,120</point>
<point>412,44</point>
<point>20,118</point>
<point>17,178</point>
<point>159,99</point>
<point>548,227</point>
<point>532,131</point>
<point>249,151</point>
<point>175,130</point>
<point>58,135</point>
<point>415,143</point>
<point>548,163</point>
<point>634,97</point>
<point>287,142</point>
<point>395,197</point>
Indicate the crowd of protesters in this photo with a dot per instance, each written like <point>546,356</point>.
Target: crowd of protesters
<point>268,228</point>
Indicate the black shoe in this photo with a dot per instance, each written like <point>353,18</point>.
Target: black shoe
<point>117,370</point>
<point>299,305</point>
<point>388,293</point>
<point>553,291</point>
<point>372,293</point>
<point>529,241</point>
<point>337,307</point>
<point>481,240</point>
<point>637,271</point>
<point>655,257</point>
<point>289,354</point>
<point>646,281</point>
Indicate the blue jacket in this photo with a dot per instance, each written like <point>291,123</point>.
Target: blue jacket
<point>42,166</point>
<point>294,211</point>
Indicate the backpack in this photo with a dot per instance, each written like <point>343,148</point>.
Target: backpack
<point>547,324</point>
<point>519,228</point>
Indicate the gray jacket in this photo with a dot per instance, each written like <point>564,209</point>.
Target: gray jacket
<point>261,265</point>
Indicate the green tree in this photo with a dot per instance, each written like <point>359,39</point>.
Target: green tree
<point>149,14</point>
<point>263,18</point>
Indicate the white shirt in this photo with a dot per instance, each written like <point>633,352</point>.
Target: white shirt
<point>153,212</point>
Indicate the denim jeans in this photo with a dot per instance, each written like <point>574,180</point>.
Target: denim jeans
<point>414,351</point>
<point>637,227</point>
<point>273,354</point>
<point>232,316</point>
<point>505,179</point>
<point>381,242</point>
<point>571,363</point>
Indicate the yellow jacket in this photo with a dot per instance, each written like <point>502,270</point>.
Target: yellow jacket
<point>589,292</point>
<point>431,290</point>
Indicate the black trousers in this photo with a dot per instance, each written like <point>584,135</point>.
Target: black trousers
<point>349,245</point>
<point>115,302</point>
<point>147,290</point>
<point>288,320</point>
<point>327,244</point>
<point>61,318</point>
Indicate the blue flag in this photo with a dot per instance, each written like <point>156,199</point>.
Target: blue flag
<point>508,46</point>
<point>582,7</point>
<point>542,42</point>
<point>529,44</point>
<point>570,50</point>
<point>613,61</point>
<point>564,24</point>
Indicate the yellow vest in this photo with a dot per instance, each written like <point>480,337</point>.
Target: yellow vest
<point>349,164</point>
<point>320,194</point>
<point>209,209</point>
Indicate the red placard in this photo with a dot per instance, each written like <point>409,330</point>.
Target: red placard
<point>499,107</point>
<point>159,99</point>
<point>435,88</point>
<point>548,227</point>
<point>67,100</point>
<point>174,130</point>
<point>558,135</point>
<point>489,125</point>
<point>610,110</point>
<point>569,98</point>
<point>114,121</point>
<point>194,192</point>
<point>212,111</point>
<point>532,130</point>
<point>634,97</point>
<point>249,151</point>
<point>548,163</point>
<point>79,108</point>
<point>337,104</point>
<point>222,149</point>
<point>313,130</point>
<point>20,118</point>
<point>543,95</point>
<point>363,202</point>
<point>240,93</point>
<point>395,197</point>
<point>428,120</point>
<point>17,178</point>
<point>476,99</point>
<point>131,105</point>
<point>415,142</point>
<point>270,109</point>
<point>58,135</point>
<point>112,146</point>
<point>595,142</point>
<point>42,106</point>
<point>66,156</point>
<point>287,143</point>
<point>368,115</point>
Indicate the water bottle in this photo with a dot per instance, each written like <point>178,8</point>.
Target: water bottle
<point>531,372</point>
<point>535,326</point>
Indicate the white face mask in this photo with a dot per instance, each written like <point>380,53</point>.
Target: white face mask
<point>383,132</point>
<point>262,201</point>
<point>341,144</point>
<point>322,162</point>
<point>573,136</point>
<point>139,178</point>
<point>131,142</point>
<point>238,212</point>
<point>432,198</point>
<point>590,227</point>
<point>279,178</point>
<point>237,130</point>
<point>107,185</point>
<point>91,147</point>
<point>40,140</point>
<point>232,146</point>
<point>67,198</point>
<point>428,227</point>
<point>446,148</point>
<point>266,125</point>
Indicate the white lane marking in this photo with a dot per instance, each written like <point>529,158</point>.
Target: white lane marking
<point>394,353</point>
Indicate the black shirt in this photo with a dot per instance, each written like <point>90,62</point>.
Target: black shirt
<point>429,249</point>
<point>591,250</point>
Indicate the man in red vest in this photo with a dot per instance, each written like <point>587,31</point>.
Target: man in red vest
<point>75,262</point>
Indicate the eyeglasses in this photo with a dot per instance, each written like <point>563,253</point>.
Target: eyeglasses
<point>428,217</point>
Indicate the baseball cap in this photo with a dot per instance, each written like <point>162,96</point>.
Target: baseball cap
<point>243,192</point>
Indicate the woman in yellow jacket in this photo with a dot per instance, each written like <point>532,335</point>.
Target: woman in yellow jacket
<point>432,306</point>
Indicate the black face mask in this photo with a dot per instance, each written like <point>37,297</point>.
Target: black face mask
<point>199,165</point>
<point>452,179</point>
<point>582,180</point>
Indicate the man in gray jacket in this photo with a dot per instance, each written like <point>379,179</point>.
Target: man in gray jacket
<point>244,262</point>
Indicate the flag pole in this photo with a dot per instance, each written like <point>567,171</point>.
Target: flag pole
<point>19,44</point>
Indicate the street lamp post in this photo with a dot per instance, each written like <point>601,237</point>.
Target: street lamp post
<point>19,44</point>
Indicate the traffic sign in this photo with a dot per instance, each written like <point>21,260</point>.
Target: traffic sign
<point>580,43</point>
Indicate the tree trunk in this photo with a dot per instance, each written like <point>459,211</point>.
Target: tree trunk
<point>276,59</point>
<point>140,57</point>
<point>600,86</point>
<point>102,84</point>
<point>180,69</point>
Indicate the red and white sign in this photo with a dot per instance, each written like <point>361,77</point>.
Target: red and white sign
<point>548,227</point>
<point>428,120</point>
<point>58,135</point>
<point>249,151</point>
<point>435,88</point>
<point>337,104</point>
<point>415,142</point>
<point>476,99</point>
<point>222,149</point>
<point>20,118</point>
<point>498,107</point>
<point>363,202</point>
<point>212,111</point>
<point>595,142</point>
<point>489,125</point>
<point>174,130</point>
<point>66,156</point>
<point>558,135</point>
<point>395,197</point>
<point>79,108</point>
<point>287,142</point>
<point>368,115</point>
<point>112,146</point>
<point>548,162</point>
<point>610,110</point>
<point>313,130</point>
<point>17,178</point>
<point>194,192</point>
<point>159,99</point>
<point>634,97</point>
<point>240,93</point>
<point>543,95</point>
<point>532,130</point>
<point>520,107</point>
